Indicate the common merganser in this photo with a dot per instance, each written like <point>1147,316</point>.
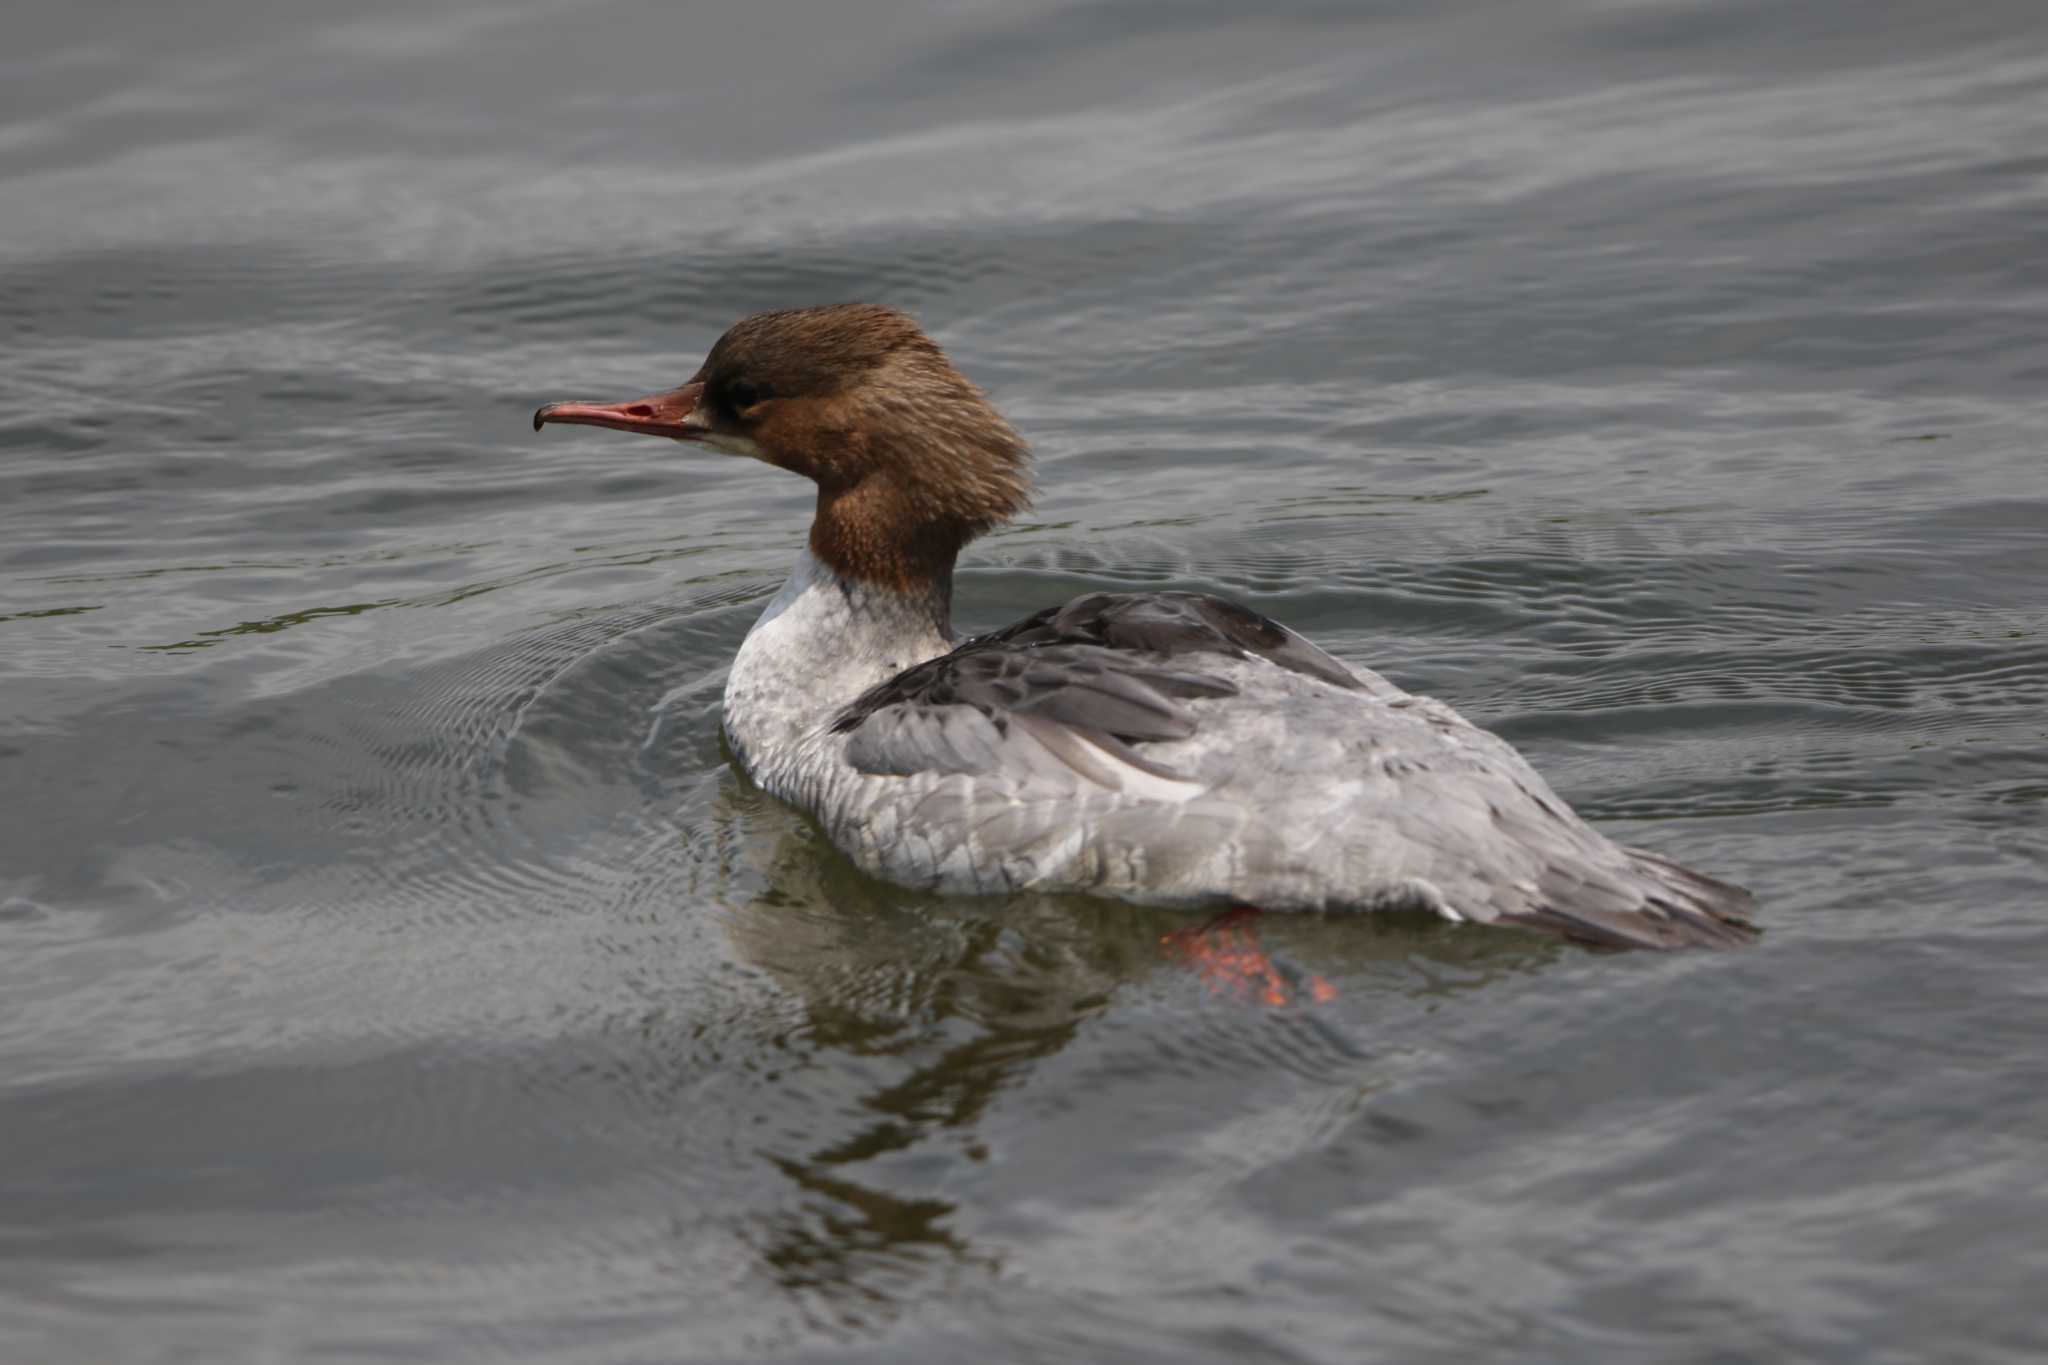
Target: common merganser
<point>1167,748</point>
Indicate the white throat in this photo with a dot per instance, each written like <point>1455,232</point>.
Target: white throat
<point>821,642</point>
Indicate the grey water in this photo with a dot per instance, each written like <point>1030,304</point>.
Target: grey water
<point>393,966</point>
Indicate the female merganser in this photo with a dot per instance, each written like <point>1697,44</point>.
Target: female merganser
<point>1169,748</point>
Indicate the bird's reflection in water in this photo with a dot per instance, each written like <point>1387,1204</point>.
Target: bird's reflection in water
<point>929,1008</point>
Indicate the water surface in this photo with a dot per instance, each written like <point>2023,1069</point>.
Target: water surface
<point>393,965</point>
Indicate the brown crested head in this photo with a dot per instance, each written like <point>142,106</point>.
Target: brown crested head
<point>910,458</point>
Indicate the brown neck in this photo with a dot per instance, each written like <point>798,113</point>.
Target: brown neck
<point>872,533</point>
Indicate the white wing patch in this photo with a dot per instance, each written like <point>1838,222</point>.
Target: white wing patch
<point>1102,767</point>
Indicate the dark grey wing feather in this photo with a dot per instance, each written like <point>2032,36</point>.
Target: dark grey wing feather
<point>1185,622</point>
<point>1137,649</point>
<point>1089,687</point>
<point>915,739</point>
<point>1111,669</point>
<point>1013,710</point>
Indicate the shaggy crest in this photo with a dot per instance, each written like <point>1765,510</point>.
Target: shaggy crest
<point>910,458</point>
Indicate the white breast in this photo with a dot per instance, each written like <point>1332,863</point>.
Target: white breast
<point>820,643</point>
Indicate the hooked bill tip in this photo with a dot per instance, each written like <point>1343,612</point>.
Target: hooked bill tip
<point>540,415</point>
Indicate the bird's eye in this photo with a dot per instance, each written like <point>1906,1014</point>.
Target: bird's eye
<point>741,395</point>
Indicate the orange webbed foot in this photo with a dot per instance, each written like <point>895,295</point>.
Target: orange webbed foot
<point>1224,951</point>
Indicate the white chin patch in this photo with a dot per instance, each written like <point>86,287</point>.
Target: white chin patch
<point>730,443</point>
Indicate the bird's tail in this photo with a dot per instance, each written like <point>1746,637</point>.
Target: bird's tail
<point>1676,908</point>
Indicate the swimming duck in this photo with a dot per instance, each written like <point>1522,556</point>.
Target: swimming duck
<point>1165,748</point>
